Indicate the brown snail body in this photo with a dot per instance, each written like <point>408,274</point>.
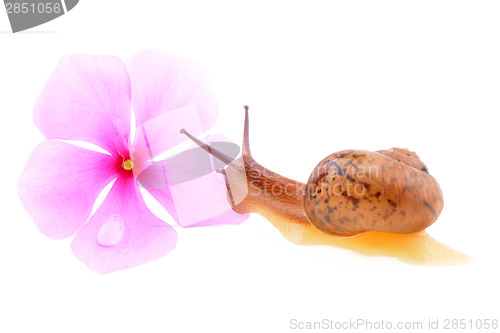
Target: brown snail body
<point>348,192</point>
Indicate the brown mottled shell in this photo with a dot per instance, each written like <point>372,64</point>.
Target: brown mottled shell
<point>354,191</point>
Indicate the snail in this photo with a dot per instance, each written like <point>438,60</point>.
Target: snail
<point>349,192</point>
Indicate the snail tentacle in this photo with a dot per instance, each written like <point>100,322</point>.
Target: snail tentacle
<point>245,147</point>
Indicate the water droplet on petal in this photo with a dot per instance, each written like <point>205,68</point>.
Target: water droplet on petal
<point>111,231</point>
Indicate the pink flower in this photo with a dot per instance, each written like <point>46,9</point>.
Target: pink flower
<point>90,98</point>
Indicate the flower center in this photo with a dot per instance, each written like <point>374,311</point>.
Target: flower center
<point>127,165</point>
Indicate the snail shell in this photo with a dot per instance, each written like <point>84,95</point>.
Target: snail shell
<point>353,191</point>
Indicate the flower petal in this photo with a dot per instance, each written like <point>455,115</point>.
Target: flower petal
<point>162,132</point>
<point>227,218</point>
<point>196,210</point>
<point>87,98</point>
<point>202,199</point>
<point>60,184</point>
<point>189,188</point>
<point>123,232</point>
<point>163,82</point>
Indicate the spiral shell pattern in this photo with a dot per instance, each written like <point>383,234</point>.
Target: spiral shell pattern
<point>353,191</point>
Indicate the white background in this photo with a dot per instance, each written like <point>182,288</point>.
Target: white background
<point>319,76</point>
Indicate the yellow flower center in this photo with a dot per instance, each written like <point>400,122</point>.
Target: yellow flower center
<point>127,165</point>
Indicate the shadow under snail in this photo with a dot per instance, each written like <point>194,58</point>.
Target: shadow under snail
<point>348,192</point>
